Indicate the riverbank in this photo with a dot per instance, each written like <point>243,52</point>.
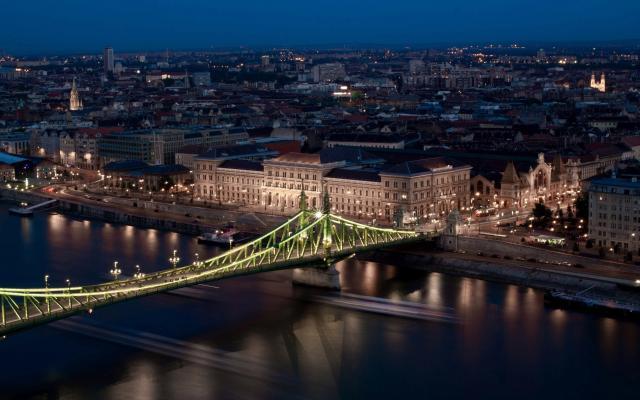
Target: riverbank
<point>576,289</point>
<point>162,216</point>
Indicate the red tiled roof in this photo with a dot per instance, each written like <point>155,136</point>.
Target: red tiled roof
<point>299,158</point>
<point>631,141</point>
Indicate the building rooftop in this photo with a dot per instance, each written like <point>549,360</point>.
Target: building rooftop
<point>11,159</point>
<point>615,182</point>
<point>366,137</point>
<point>434,164</point>
<point>238,151</point>
<point>354,174</point>
<point>246,165</point>
<point>299,158</point>
<point>125,166</point>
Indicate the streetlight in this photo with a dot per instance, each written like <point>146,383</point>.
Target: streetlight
<point>174,260</point>
<point>138,274</point>
<point>46,287</point>
<point>198,263</point>
<point>115,271</point>
<point>69,291</point>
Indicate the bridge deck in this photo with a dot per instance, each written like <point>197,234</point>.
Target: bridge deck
<point>303,240</point>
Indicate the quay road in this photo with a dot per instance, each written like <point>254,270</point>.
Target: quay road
<point>591,268</point>
<point>209,219</point>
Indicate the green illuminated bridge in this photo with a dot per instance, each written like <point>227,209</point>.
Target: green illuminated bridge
<point>307,239</point>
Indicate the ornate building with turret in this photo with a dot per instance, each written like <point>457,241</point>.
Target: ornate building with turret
<point>75,103</point>
<point>523,184</point>
<point>600,85</point>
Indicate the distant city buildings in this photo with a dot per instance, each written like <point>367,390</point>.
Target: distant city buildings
<point>527,124</point>
<point>159,146</point>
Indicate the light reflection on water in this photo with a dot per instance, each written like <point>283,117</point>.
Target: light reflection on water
<point>261,339</point>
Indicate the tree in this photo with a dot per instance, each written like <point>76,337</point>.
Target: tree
<point>601,252</point>
<point>582,206</point>
<point>542,214</point>
<point>559,212</point>
<point>617,248</point>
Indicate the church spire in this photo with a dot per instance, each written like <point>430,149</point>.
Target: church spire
<point>510,175</point>
<point>75,103</point>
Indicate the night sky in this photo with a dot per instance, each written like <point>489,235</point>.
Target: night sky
<point>67,26</point>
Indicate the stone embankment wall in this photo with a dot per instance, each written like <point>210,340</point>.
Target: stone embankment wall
<point>488,247</point>
<point>110,214</point>
<point>486,269</point>
<point>17,196</point>
<point>120,217</point>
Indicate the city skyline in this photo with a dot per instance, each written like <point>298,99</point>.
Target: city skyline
<point>75,27</point>
<point>323,200</point>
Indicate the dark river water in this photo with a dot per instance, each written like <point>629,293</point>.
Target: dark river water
<point>258,337</point>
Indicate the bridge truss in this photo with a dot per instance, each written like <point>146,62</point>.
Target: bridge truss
<point>308,238</point>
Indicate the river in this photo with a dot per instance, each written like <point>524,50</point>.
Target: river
<point>432,335</point>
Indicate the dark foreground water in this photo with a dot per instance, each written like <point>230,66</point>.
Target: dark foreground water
<point>259,338</point>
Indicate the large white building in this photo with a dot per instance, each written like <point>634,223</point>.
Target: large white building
<point>358,184</point>
<point>614,213</point>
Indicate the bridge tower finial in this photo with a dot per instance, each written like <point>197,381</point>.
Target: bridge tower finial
<point>326,202</point>
<point>303,200</point>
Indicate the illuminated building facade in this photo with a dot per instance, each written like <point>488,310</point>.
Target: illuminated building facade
<point>75,103</point>
<point>419,189</point>
<point>614,213</point>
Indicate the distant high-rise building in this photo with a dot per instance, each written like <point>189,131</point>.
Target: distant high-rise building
<point>328,72</point>
<point>416,67</point>
<point>108,60</point>
<point>201,78</point>
<point>75,103</point>
<point>264,60</point>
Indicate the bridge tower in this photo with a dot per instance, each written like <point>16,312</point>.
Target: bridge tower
<point>449,238</point>
<point>324,276</point>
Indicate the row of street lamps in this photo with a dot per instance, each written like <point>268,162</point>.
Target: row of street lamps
<point>116,271</point>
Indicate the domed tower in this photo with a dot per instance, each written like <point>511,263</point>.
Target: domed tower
<point>75,103</point>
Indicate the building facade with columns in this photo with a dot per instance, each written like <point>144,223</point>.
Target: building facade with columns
<point>358,186</point>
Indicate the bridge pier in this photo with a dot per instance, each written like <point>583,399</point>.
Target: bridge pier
<point>326,277</point>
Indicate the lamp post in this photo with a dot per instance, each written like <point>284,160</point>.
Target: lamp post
<point>115,271</point>
<point>138,274</point>
<point>198,263</point>
<point>174,260</point>
<point>46,287</point>
<point>69,291</point>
